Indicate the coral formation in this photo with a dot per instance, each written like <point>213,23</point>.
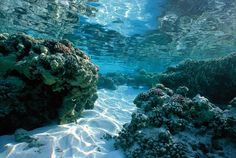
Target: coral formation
<point>168,124</point>
<point>139,78</point>
<point>214,79</point>
<point>43,80</point>
<point>106,82</point>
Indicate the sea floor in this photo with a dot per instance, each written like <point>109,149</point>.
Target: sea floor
<point>84,139</point>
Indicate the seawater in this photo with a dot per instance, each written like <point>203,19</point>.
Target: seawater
<point>126,35</point>
<point>119,36</point>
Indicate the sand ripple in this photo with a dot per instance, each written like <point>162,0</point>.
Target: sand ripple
<point>83,139</point>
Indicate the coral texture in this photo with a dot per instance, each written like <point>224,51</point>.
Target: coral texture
<point>214,79</point>
<point>43,80</point>
<point>170,125</point>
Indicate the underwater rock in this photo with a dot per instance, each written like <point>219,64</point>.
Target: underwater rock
<point>143,78</point>
<point>106,83</point>
<point>168,124</point>
<point>214,79</point>
<point>139,78</point>
<point>43,80</point>
<point>22,135</point>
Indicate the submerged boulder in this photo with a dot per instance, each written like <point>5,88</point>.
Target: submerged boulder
<point>168,124</point>
<point>22,135</point>
<point>43,80</point>
<point>214,79</point>
<point>105,82</point>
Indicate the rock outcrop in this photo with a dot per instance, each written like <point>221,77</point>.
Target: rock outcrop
<point>168,124</point>
<point>214,79</point>
<point>43,80</point>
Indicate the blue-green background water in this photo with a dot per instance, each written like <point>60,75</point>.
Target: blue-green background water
<point>125,35</point>
<point>120,36</point>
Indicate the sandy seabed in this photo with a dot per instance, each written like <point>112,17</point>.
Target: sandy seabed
<point>84,139</point>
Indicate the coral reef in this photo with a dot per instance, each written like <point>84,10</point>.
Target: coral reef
<point>43,80</point>
<point>139,78</point>
<point>106,82</point>
<point>168,124</point>
<point>214,79</point>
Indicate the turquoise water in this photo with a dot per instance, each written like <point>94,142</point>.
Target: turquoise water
<point>132,34</point>
<point>124,37</point>
<point>111,37</point>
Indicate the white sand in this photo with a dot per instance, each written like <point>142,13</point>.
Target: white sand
<point>81,140</point>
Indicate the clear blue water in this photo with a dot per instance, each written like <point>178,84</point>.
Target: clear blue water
<point>112,35</point>
<point>119,36</point>
<point>125,35</point>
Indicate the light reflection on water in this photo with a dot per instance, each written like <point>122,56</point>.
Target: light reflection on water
<point>128,17</point>
<point>125,35</point>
